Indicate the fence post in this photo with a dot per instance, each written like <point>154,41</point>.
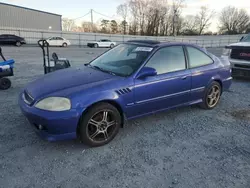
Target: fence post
<point>19,32</point>
<point>79,37</point>
<point>123,38</point>
<point>203,43</point>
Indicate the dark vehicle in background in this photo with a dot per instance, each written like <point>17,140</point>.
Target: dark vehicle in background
<point>7,39</point>
<point>239,56</point>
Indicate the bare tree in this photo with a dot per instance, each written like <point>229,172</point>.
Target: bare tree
<point>233,20</point>
<point>203,19</point>
<point>176,12</point>
<point>68,24</point>
<point>88,27</point>
<point>122,10</point>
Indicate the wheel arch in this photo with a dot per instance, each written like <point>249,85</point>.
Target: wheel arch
<point>220,82</point>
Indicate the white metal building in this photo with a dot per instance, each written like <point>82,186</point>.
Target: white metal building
<point>21,17</point>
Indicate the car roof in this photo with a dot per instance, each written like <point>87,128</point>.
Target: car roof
<point>9,35</point>
<point>154,43</point>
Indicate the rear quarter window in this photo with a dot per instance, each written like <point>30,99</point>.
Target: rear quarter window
<point>197,58</point>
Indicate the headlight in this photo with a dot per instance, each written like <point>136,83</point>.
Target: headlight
<point>226,52</point>
<point>54,104</point>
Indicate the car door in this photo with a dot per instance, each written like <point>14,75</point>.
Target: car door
<point>170,87</point>
<point>202,70</point>
<point>11,39</point>
<point>60,41</point>
<point>107,43</point>
<point>52,41</point>
<point>2,39</point>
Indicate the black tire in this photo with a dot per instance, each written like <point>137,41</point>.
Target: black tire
<point>5,83</point>
<point>18,44</point>
<point>209,96</point>
<point>112,46</point>
<point>96,115</point>
<point>64,44</point>
<point>96,45</point>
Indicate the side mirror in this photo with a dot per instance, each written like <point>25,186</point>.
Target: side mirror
<point>146,71</point>
<point>241,38</point>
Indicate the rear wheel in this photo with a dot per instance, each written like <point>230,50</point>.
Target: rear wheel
<point>18,43</point>
<point>99,125</point>
<point>5,83</point>
<point>212,96</point>
<point>96,46</point>
<point>112,46</point>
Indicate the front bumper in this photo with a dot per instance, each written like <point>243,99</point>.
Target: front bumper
<point>240,68</point>
<point>55,125</point>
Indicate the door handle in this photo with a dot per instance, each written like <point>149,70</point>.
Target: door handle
<point>184,77</point>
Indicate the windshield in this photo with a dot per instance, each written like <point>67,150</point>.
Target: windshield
<point>122,60</point>
<point>246,39</point>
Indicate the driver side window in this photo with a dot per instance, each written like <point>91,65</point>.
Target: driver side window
<point>168,59</point>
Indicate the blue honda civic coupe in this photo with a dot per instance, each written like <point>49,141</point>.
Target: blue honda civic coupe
<point>131,80</point>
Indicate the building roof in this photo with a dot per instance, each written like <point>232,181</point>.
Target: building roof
<point>29,9</point>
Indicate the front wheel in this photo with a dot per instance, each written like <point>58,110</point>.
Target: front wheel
<point>18,43</point>
<point>5,83</point>
<point>65,45</point>
<point>99,125</point>
<point>112,46</point>
<point>96,46</point>
<point>212,96</point>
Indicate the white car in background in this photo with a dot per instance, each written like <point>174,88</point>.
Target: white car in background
<point>101,43</point>
<point>58,41</point>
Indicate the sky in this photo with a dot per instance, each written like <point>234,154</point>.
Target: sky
<point>77,8</point>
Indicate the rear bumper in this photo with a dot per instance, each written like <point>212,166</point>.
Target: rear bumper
<point>227,84</point>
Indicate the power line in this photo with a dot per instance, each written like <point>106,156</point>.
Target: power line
<point>82,16</point>
<point>103,15</point>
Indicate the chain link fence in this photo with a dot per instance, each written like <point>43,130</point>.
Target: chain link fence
<point>81,39</point>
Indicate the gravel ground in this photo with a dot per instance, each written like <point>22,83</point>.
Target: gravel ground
<point>182,148</point>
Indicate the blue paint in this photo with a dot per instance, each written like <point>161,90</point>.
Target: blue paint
<point>136,97</point>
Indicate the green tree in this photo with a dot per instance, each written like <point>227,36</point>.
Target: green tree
<point>104,26</point>
<point>113,26</point>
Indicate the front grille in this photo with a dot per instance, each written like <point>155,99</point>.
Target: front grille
<point>243,54</point>
<point>27,98</point>
<point>242,66</point>
<point>240,73</point>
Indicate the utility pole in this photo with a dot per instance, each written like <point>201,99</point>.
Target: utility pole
<point>92,21</point>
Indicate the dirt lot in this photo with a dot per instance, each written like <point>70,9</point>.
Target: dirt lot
<point>182,148</point>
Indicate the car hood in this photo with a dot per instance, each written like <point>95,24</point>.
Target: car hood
<point>65,79</point>
<point>239,44</point>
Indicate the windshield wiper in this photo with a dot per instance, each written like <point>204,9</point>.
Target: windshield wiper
<point>101,69</point>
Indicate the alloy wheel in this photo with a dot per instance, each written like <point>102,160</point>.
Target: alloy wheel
<point>101,126</point>
<point>213,96</point>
